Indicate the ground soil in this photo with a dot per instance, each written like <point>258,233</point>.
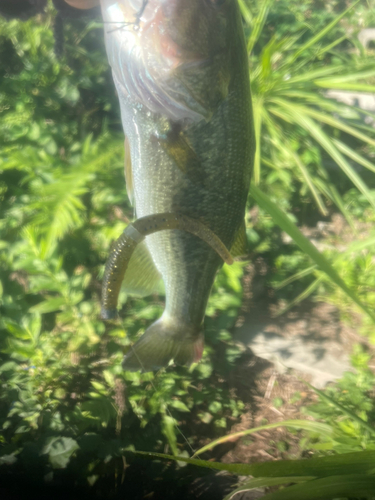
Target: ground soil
<point>279,396</point>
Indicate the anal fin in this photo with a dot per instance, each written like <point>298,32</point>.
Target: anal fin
<point>141,277</point>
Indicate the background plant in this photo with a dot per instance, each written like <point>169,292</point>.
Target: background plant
<point>65,404</point>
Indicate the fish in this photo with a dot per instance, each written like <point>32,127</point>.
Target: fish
<point>181,72</point>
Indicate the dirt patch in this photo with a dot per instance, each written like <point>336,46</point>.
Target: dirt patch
<point>279,397</point>
<point>278,393</point>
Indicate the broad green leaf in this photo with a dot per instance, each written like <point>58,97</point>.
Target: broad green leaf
<point>49,305</point>
<point>283,221</point>
<point>16,330</point>
<point>178,405</point>
<point>98,386</point>
<point>60,450</point>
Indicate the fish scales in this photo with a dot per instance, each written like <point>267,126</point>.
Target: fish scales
<point>216,134</point>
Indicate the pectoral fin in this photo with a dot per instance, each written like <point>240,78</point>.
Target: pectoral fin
<point>178,148</point>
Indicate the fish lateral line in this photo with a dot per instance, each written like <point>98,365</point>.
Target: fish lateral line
<point>136,232</point>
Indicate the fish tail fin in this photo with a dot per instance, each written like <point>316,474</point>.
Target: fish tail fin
<point>163,341</point>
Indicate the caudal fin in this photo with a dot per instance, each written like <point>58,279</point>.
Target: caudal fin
<point>165,340</point>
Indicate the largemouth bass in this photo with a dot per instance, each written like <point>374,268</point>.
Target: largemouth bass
<point>181,72</point>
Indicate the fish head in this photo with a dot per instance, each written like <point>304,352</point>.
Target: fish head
<point>172,56</point>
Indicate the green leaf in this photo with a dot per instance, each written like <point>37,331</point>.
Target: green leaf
<point>322,33</point>
<point>344,148</point>
<point>168,428</point>
<point>297,276</point>
<point>359,87</point>
<point>362,462</point>
<point>8,366</point>
<point>178,405</point>
<point>16,330</point>
<point>60,450</point>
<point>49,305</point>
<point>328,488</point>
<point>257,112</point>
<point>302,296</point>
<point>322,429</point>
<point>258,23</point>
<point>283,221</point>
<point>345,410</point>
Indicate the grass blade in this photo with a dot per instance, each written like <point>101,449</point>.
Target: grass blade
<point>299,116</point>
<point>328,488</point>
<point>342,408</point>
<point>359,87</point>
<point>349,77</point>
<point>360,462</point>
<point>294,277</point>
<point>350,153</point>
<point>246,12</point>
<point>258,24</point>
<point>357,247</point>
<point>302,296</point>
<point>323,32</point>
<point>309,76</point>
<point>322,429</point>
<point>333,122</point>
<point>276,135</point>
<point>300,110</point>
<point>257,113</point>
<point>327,48</point>
<point>331,192</point>
<point>283,221</point>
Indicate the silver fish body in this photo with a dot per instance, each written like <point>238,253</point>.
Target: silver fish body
<point>186,113</point>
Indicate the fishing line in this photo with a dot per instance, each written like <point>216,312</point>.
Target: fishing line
<point>135,24</point>
<point>163,401</point>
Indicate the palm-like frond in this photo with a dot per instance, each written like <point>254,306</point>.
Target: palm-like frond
<point>288,81</point>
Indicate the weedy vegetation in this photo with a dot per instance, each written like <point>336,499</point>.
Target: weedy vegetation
<point>66,407</point>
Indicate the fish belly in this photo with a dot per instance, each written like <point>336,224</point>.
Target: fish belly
<point>187,264</point>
